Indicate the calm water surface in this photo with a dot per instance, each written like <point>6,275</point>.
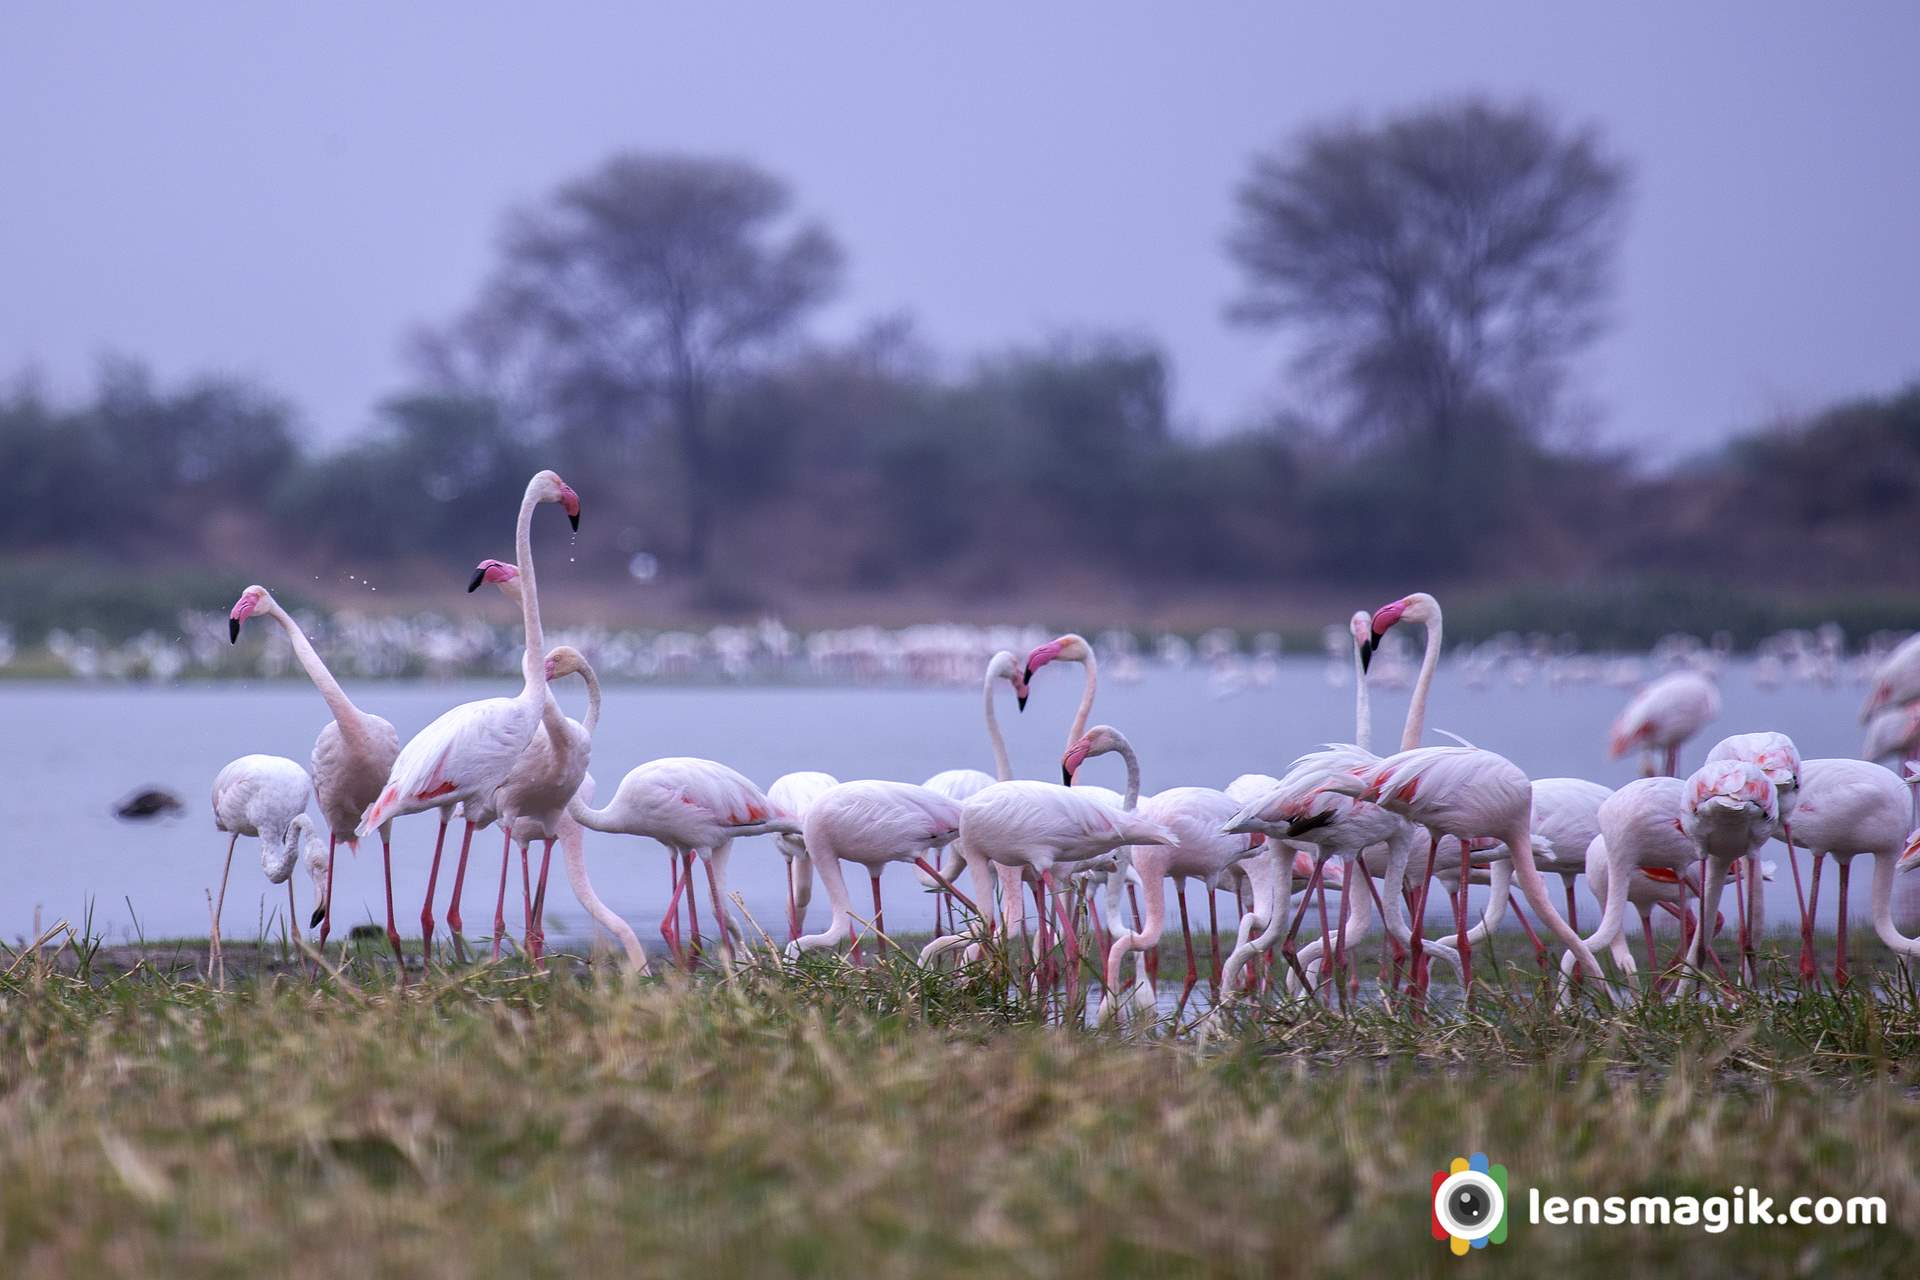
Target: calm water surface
<point>69,750</point>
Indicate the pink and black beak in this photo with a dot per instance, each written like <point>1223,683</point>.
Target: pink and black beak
<point>242,610</point>
<point>1383,620</point>
<point>479,576</point>
<point>570,503</point>
<point>1071,762</point>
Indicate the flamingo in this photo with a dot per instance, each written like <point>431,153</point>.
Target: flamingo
<point>1199,847</point>
<point>533,801</point>
<point>351,756</point>
<point>1729,809</point>
<point>1896,680</point>
<point>1664,715</point>
<point>1893,733</point>
<point>1566,815</point>
<point>690,806</point>
<point>1647,887</point>
<point>1418,607</point>
<point>1774,755</point>
<point>794,794</point>
<point>1036,826</point>
<point>1470,793</point>
<point>1848,807</point>
<point>266,797</point>
<point>871,823</point>
<point>464,755</point>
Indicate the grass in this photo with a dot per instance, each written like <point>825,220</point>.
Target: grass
<point>822,1120</point>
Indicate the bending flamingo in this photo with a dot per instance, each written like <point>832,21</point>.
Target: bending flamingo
<point>1664,715</point>
<point>265,797</point>
<point>871,823</point>
<point>793,794</point>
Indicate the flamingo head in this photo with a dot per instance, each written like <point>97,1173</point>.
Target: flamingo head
<point>551,488</point>
<point>1910,856</point>
<point>1068,648</point>
<point>565,660</point>
<point>1004,666</point>
<point>1097,741</point>
<point>498,572</point>
<point>1360,625</point>
<point>1721,789</point>
<point>1418,607</point>
<point>250,599</point>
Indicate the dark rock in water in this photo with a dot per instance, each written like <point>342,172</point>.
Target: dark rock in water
<point>147,803</point>
<point>374,932</point>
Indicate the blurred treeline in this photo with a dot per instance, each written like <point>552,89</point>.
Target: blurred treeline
<point>1432,280</point>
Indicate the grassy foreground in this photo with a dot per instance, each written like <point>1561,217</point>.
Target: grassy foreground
<point>827,1121</point>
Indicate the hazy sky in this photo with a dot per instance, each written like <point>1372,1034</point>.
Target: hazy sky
<point>284,190</point>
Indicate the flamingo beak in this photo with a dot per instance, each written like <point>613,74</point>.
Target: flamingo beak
<point>1020,700</point>
<point>1366,651</point>
<point>233,631</point>
<point>319,914</point>
<point>479,576</point>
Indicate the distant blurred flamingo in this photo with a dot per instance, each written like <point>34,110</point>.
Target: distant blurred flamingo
<point>1664,715</point>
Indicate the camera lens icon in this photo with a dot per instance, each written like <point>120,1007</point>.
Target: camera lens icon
<point>1470,1203</point>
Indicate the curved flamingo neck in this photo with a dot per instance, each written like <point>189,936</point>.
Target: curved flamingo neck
<point>533,664</point>
<point>1417,709</point>
<point>1080,717</point>
<point>592,721</point>
<point>1125,749</point>
<point>1882,906</point>
<point>345,714</point>
<point>1002,766</point>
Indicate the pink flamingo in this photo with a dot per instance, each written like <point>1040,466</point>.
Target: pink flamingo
<point>959,784</point>
<point>871,823</point>
<point>1664,715</point>
<point>466,754</point>
<point>1774,755</point>
<point>1896,680</point>
<point>352,755</point>
<point>692,806</point>
<point>1469,793</point>
<point>1036,826</point>
<point>1848,807</point>
<point>793,794</point>
<point>266,797</point>
<point>1729,808</point>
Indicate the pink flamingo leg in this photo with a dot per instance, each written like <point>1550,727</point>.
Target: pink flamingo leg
<point>1213,944</point>
<point>1153,956</point>
<point>1573,905</point>
<point>455,924</point>
<point>1042,976</point>
<point>670,923</point>
<point>1840,974</point>
<point>793,906</point>
<point>500,903</point>
<point>1653,956</point>
<point>879,914</point>
<point>537,939</point>
<point>693,906</point>
<point>393,934</point>
<point>433,879</point>
<point>526,900</point>
<point>1809,953</point>
<point>1064,912</point>
<point>1193,967</point>
<point>1417,978</point>
<point>1460,927</point>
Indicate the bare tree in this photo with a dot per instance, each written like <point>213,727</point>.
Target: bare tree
<point>643,287</point>
<point>1439,269</point>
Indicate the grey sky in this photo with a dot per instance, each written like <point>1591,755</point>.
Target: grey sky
<point>284,190</point>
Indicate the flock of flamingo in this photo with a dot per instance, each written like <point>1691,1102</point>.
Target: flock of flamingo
<point>1379,831</point>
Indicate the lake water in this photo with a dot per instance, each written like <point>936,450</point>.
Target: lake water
<point>68,751</point>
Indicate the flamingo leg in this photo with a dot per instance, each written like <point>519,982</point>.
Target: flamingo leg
<point>1460,927</point>
<point>693,907</point>
<point>1418,963</point>
<point>1065,911</point>
<point>526,901</point>
<point>454,923</point>
<point>1326,933</point>
<point>1042,978</point>
<point>1840,975</point>
<point>1193,974</point>
<point>879,913</point>
<point>537,939</point>
<point>1573,905</point>
<point>1809,952</point>
<point>1653,957</point>
<point>1213,944</point>
<point>1153,956</point>
<point>793,907</point>
<point>393,934</point>
<point>670,923</point>
<point>500,903</point>
<point>216,959</point>
<point>293,920</point>
<point>433,879</point>
<point>1673,761</point>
